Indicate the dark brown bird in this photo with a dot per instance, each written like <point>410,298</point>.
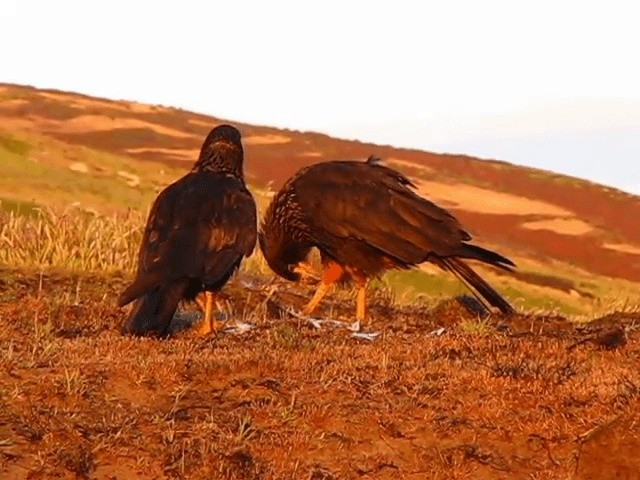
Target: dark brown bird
<point>366,218</point>
<point>198,231</point>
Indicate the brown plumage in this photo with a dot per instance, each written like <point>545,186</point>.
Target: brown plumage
<point>366,218</point>
<point>198,231</point>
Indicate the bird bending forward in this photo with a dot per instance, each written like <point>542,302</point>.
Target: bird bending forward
<point>198,231</point>
<point>366,218</point>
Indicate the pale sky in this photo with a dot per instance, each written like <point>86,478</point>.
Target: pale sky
<point>540,83</point>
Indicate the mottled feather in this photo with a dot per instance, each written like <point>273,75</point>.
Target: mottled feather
<point>368,218</point>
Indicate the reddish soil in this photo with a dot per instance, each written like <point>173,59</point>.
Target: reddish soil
<point>529,397</point>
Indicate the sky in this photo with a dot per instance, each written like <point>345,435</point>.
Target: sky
<point>551,84</point>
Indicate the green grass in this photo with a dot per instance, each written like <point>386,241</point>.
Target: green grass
<point>35,169</point>
<point>410,285</point>
<point>29,173</point>
<point>22,208</point>
<point>528,301</point>
<point>14,145</point>
<point>14,165</point>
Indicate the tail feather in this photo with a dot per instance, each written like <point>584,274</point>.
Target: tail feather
<point>141,285</point>
<point>471,279</point>
<point>475,252</point>
<point>153,311</point>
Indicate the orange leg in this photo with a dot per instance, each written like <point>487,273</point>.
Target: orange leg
<point>360,304</point>
<point>208,325</point>
<point>332,273</point>
<point>361,283</point>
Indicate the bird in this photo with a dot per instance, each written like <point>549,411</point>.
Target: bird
<point>198,231</point>
<point>366,218</point>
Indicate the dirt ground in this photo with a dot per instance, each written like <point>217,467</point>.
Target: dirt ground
<point>439,394</point>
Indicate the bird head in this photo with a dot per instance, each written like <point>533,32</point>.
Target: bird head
<point>280,257</point>
<point>222,151</point>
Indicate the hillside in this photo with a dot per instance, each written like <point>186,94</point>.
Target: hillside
<point>424,387</point>
<point>576,243</point>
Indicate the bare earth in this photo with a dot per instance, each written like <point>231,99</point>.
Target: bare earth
<point>532,397</point>
<point>484,200</point>
<point>563,226</point>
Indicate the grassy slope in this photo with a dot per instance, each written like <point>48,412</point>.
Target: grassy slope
<point>40,167</point>
<point>543,398</point>
<point>35,171</point>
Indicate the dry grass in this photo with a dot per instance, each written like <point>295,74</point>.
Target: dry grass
<point>541,398</point>
<point>70,239</point>
<point>79,240</point>
<point>439,394</point>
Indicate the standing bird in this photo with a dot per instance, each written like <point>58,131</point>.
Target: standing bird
<point>198,231</point>
<point>366,218</point>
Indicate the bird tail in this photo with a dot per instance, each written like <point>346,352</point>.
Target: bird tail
<point>139,287</point>
<point>476,283</point>
<point>153,311</point>
<point>486,256</point>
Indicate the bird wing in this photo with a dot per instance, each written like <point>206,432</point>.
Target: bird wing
<point>201,224</point>
<point>377,205</point>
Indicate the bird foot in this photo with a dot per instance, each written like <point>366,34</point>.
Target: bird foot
<point>206,328</point>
